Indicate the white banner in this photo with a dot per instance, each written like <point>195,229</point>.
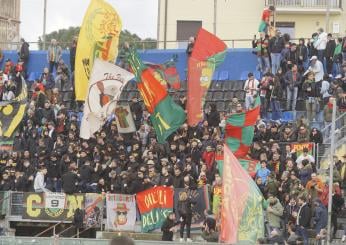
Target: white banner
<point>106,83</point>
<point>55,200</point>
<point>125,123</point>
<point>121,212</point>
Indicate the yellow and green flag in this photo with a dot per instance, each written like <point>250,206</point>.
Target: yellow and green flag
<point>98,38</point>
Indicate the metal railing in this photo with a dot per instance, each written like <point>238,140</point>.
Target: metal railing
<point>318,4</point>
<point>340,129</point>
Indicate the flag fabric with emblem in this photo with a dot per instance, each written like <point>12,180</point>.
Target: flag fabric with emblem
<point>11,114</point>
<point>166,73</point>
<point>124,119</point>
<point>242,220</point>
<point>239,131</point>
<point>98,38</point>
<point>106,83</point>
<point>207,54</point>
<point>166,116</point>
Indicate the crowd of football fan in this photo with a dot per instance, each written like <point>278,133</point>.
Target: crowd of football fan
<point>48,154</point>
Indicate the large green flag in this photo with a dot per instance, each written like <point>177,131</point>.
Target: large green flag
<point>166,116</point>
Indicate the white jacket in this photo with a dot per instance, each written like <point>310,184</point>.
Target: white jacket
<point>321,42</point>
<point>317,69</point>
<point>39,184</point>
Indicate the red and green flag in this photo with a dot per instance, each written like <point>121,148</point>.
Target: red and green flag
<point>154,205</point>
<point>207,54</point>
<point>239,130</point>
<point>166,116</point>
<point>242,219</point>
<point>248,164</point>
<point>166,73</point>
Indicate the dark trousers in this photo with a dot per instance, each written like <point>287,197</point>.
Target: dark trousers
<point>334,220</point>
<point>264,107</point>
<point>301,231</point>
<point>52,65</point>
<point>329,66</point>
<point>186,221</point>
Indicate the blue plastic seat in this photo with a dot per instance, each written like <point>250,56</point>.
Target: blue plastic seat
<point>287,116</point>
<point>243,75</point>
<point>215,75</point>
<point>257,75</point>
<point>224,75</point>
<point>31,77</point>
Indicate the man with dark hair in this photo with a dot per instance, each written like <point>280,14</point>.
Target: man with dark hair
<point>329,54</point>
<point>122,240</point>
<point>303,218</point>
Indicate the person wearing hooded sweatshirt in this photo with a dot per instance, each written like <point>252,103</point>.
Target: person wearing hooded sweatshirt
<point>213,116</point>
<point>320,217</point>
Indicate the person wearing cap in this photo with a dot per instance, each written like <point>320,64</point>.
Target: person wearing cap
<point>316,67</point>
<point>276,45</point>
<point>292,80</point>
<point>251,88</point>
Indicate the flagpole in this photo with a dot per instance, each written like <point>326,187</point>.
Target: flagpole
<point>331,168</point>
<point>44,23</point>
<point>215,16</point>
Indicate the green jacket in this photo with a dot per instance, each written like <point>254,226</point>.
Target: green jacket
<point>274,216</point>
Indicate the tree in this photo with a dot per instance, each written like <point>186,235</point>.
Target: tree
<point>65,36</point>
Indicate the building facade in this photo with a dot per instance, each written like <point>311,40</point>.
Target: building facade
<point>237,21</point>
<point>9,24</point>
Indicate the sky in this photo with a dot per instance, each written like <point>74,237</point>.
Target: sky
<point>65,13</point>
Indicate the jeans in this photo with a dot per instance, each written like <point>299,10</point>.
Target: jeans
<point>52,65</point>
<point>276,109</point>
<point>264,107</point>
<point>249,100</point>
<point>311,108</point>
<point>276,59</point>
<point>54,185</point>
<point>186,222</point>
<point>263,64</point>
<point>320,57</point>
<point>301,231</point>
<point>291,96</point>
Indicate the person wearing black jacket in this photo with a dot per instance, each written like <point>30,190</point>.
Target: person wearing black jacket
<point>178,178</point>
<point>185,212</point>
<point>302,55</point>
<point>213,116</point>
<point>276,45</point>
<point>69,180</point>
<point>168,227</point>
<point>329,53</point>
<point>303,218</point>
<point>190,46</point>
<point>137,112</point>
<point>24,54</point>
<point>20,182</point>
<point>166,178</point>
<point>53,173</point>
<point>6,183</point>
<point>73,50</point>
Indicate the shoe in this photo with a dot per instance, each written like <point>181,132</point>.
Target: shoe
<point>181,240</point>
<point>343,239</point>
<point>189,240</point>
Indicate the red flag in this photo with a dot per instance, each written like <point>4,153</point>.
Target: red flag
<point>208,52</point>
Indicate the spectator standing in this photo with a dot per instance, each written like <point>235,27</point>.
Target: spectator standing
<point>311,96</point>
<point>302,55</point>
<point>337,56</point>
<point>329,53</point>
<point>185,213</point>
<point>275,96</point>
<point>251,87</point>
<point>316,67</point>
<point>47,80</point>
<point>39,183</point>
<point>262,51</point>
<point>325,89</point>
<point>265,94</point>
<point>303,218</point>
<point>292,81</point>
<point>320,44</point>
<point>274,213</point>
<point>276,45</point>
<point>320,217</point>
<point>24,54</point>
<point>54,55</point>
<point>190,45</point>
<point>73,50</point>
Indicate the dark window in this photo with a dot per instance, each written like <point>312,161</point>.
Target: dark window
<point>187,28</point>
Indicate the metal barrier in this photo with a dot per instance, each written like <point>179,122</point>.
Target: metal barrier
<point>74,241</point>
<point>340,129</point>
<point>305,3</point>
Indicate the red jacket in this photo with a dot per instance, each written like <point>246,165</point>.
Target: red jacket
<point>209,158</point>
